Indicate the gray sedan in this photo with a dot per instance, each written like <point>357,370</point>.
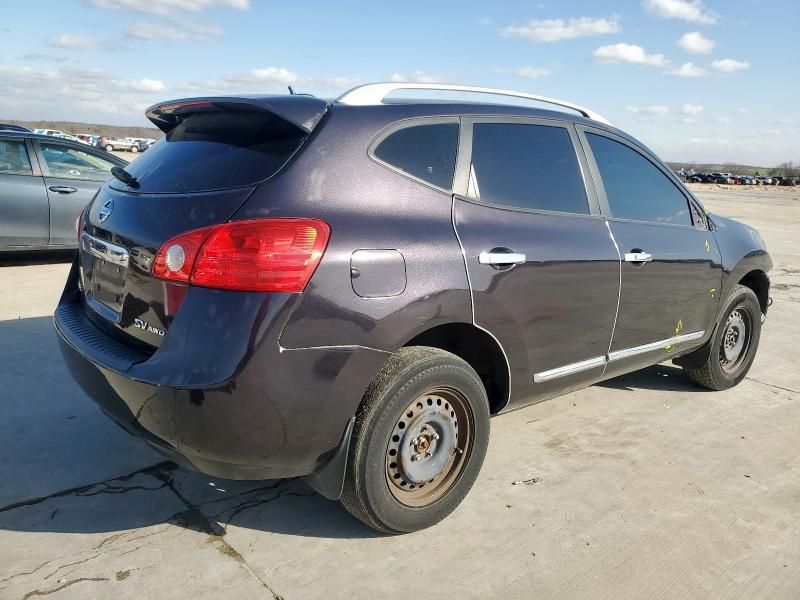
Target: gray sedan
<point>44,184</point>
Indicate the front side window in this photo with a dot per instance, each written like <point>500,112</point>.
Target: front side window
<point>636,189</point>
<point>66,161</point>
<point>427,152</point>
<point>526,166</point>
<point>14,158</point>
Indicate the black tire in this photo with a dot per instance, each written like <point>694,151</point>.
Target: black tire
<point>134,149</point>
<point>109,147</point>
<point>720,373</point>
<point>414,377</point>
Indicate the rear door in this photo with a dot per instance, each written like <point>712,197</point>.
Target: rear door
<point>24,216</point>
<point>671,270</point>
<point>543,269</point>
<point>72,176</point>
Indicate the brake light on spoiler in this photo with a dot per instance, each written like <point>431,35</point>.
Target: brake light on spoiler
<point>259,255</point>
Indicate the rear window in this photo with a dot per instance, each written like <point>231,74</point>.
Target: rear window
<point>216,150</point>
<point>427,152</point>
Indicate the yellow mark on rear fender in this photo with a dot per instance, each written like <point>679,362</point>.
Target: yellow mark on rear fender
<point>679,327</point>
<point>712,291</point>
<point>708,246</point>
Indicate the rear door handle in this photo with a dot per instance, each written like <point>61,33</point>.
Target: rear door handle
<point>501,258</point>
<point>638,257</point>
<point>62,189</point>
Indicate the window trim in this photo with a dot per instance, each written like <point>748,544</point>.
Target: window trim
<point>31,160</point>
<point>464,162</point>
<point>605,207</point>
<point>414,122</point>
<point>45,168</point>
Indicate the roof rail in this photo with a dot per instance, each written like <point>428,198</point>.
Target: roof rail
<point>374,93</point>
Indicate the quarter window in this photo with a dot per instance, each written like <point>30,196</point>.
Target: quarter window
<point>636,189</point>
<point>14,158</point>
<point>427,152</point>
<point>65,161</point>
<point>526,166</point>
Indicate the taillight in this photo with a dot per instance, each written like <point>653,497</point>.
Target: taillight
<point>262,255</point>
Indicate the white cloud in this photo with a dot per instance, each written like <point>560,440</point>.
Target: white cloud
<point>692,11</point>
<point>723,119</point>
<point>416,77</point>
<point>628,53</point>
<point>168,7</point>
<point>532,72</point>
<point>71,41</point>
<point>742,111</point>
<point>267,80</point>
<point>554,30</point>
<point>695,43</point>
<point>187,31</point>
<point>691,109</point>
<point>687,70</point>
<point>728,65</point>
<point>147,85</point>
<point>84,94</point>
<point>653,109</point>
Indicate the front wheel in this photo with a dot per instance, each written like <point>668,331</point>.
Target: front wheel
<point>134,149</point>
<point>419,441</point>
<point>109,147</point>
<point>734,344</point>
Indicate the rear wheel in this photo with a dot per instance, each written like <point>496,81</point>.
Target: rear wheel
<point>134,149</point>
<point>109,147</point>
<point>419,441</point>
<point>734,344</point>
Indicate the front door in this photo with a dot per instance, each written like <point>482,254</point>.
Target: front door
<point>543,269</point>
<point>671,269</point>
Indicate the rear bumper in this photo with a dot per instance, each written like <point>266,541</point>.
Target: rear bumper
<point>259,412</point>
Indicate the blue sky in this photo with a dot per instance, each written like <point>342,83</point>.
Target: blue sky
<point>701,80</point>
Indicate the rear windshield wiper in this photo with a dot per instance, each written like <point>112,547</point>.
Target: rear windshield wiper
<point>124,177</point>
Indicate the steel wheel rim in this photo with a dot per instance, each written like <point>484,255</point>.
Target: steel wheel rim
<point>736,339</point>
<point>421,467</point>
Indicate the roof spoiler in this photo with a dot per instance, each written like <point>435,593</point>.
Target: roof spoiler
<point>302,111</point>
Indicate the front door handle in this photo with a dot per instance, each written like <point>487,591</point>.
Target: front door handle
<point>638,257</point>
<point>501,258</point>
<point>62,189</point>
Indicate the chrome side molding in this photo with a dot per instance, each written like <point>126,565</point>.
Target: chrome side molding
<point>644,348</point>
<point>570,369</point>
<point>112,253</point>
<point>600,361</point>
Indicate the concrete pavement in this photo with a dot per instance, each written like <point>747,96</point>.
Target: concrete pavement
<point>641,487</point>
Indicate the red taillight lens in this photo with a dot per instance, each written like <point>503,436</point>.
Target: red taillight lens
<point>79,225</point>
<point>263,255</point>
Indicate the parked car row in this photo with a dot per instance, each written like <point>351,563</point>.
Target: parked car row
<point>731,179</point>
<point>108,143</point>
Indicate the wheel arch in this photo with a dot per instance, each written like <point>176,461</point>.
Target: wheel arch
<point>758,281</point>
<point>479,349</point>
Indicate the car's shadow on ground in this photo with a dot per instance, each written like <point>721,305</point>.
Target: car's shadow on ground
<point>44,257</point>
<point>68,469</point>
<point>662,377</point>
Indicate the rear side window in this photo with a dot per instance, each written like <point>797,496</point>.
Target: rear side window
<point>14,158</point>
<point>427,152</point>
<point>635,187</point>
<point>526,166</point>
<point>216,150</point>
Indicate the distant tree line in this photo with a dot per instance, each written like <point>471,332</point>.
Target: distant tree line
<point>784,169</point>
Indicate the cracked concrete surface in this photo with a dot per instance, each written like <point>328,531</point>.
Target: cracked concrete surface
<point>645,486</point>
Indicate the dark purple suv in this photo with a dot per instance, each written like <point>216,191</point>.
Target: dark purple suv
<point>347,290</point>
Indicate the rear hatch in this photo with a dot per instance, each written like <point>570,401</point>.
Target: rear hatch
<point>214,154</point>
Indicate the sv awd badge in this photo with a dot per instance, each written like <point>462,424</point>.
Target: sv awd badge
<point>144,325</point>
